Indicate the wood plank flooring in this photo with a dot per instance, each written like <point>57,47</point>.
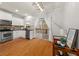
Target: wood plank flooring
<point>24,47</point>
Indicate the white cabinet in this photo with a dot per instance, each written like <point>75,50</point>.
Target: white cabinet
<point>17,21</point>
<point>18,33</point>
<point>5,15</point>
<point>31,34</point>
<point>22,33</point>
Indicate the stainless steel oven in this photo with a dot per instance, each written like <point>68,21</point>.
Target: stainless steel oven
<point>6,35</point>
<point>5,30</point>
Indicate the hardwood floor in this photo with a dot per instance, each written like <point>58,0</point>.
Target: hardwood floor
<point>24,47</point>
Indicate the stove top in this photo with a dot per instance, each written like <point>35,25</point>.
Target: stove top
<point>5,30</point>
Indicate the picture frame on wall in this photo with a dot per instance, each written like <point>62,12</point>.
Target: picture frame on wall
<point>72,38</point>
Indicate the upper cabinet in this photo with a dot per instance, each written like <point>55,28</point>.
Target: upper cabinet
<point>5,15</point>
<point>17,21</point>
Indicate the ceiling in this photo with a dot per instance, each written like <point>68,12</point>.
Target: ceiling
<point>29,8</point>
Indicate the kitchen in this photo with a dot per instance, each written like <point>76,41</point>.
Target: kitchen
<point>14,22</point>
<point>39,28</point>
<point>21,32</point>
<point>24,24</point>
<point>10,23</point>
<point>28,27</point>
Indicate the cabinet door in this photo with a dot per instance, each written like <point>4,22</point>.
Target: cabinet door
<point>17,21</point>
<point>5,15</point>
<point>32,34</point>
<point>18,33</point>
<point>21,33</point>
<point>15,34</point>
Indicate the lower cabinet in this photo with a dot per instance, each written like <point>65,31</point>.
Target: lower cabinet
<point>18,33</point>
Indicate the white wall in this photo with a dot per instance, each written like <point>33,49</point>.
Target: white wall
<point>72,15</point>
<point>58,18</point>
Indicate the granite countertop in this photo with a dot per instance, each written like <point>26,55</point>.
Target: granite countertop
<point>5,31</point>
<point>11,30</point>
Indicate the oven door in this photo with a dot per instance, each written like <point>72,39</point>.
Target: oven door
<point>7,36</point>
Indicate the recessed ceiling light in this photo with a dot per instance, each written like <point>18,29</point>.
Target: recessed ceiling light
<point>28,23</point>
<point>29,17</point>
<point>16,10</point>
<point>39,6</point>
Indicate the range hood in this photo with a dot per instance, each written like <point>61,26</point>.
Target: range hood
<point>5,22</point>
